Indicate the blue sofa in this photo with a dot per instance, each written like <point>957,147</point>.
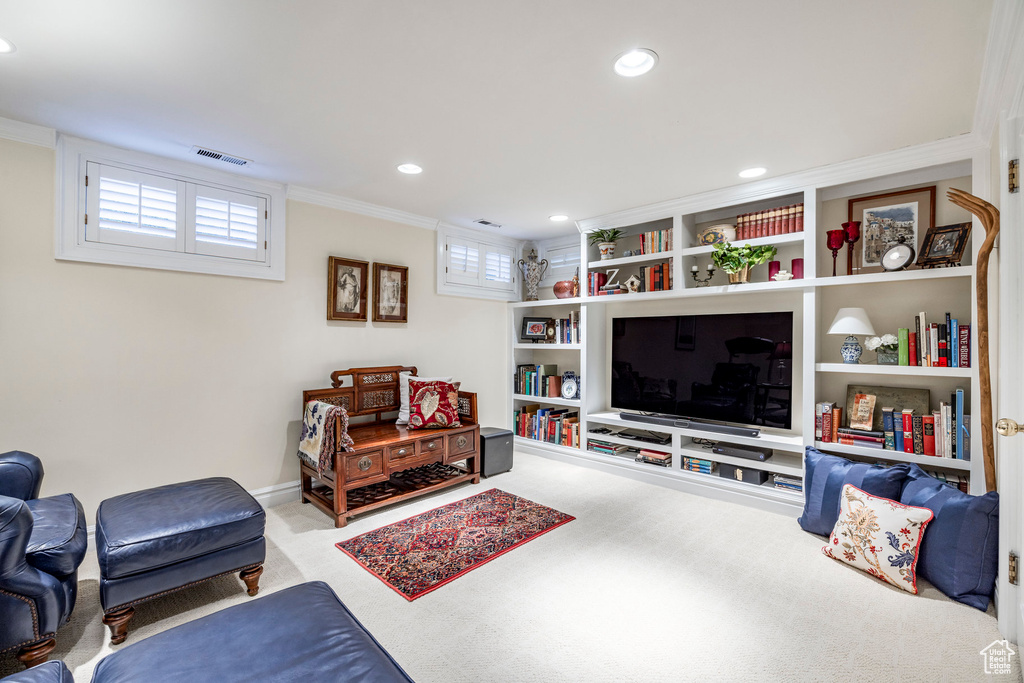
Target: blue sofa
<point>42,543</point>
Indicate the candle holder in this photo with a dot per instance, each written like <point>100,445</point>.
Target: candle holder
<point>707,280</point>
<point>852,234</point>
<point>834,241</point>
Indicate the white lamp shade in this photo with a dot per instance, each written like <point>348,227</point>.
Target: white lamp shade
<point>851,321</point>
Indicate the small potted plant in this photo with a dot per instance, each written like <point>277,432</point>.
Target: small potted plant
<point>605,241</point>
<point>887,348</point>
<point>737,261</point>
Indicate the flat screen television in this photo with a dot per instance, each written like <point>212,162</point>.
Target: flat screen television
<point>733,368</point>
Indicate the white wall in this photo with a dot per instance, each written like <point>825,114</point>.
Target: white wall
<point>125,378</point>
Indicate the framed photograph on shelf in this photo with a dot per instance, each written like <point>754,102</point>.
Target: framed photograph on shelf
<point>347,280</point>
<point>390,293</point>
<point>887,218</point>
<point>534,329</point>
<point>944,245</point>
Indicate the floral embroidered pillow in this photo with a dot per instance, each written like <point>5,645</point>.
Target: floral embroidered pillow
<point>879,536</point>
<point>433,405</point>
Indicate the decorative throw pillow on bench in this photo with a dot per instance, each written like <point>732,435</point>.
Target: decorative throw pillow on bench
<point>960,552</point>
<point>433,405</point>
<point>403,393</point>
<point>824,478</point>
<point>879,536</point>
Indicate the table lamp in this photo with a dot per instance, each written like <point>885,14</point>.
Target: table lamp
<point>851,322</point>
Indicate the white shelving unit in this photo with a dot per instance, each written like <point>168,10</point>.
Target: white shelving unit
<point>891,299</point>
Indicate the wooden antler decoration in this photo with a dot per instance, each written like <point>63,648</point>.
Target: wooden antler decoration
<point>989,216</point>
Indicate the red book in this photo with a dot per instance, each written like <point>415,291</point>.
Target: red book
<point>913,348</point>
<point>664,275</point>
<point>799,218</point>
<point>861,437</point>
<point>965,346</point>
<point>837,418</point>
<point>908,431</point>
<point>826,424</point>
<point>929,434</point>
<point>943,345</point>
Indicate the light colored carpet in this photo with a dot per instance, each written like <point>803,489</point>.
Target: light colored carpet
<point>647,584</point>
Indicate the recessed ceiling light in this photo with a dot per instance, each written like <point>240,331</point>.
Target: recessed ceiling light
<point>6,46</point>
<point>559,218</point>
<point>411,169</point>
<point>635,62</point>
<point>753,172</point>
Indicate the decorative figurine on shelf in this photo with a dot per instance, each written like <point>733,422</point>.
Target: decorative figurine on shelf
<point>851,232</point>
<point>782,276</point>
<point>707,280</point>
<point>576,283</point>
<point>632,284</point>
<point>628,252</point>
<point>570,385</point>
<point>851,322</point>
<point>835,240</point>
<point>533,272</point>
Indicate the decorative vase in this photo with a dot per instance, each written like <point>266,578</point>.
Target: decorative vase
<point>741,276</point>
<point>607,250</point>
<point>851,350</point>
<point>717,234</point>
<point>563,289</point>
<point>533,272</point>
<point>888,357</point>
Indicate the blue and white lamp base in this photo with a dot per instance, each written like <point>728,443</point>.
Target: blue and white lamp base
<point>851,350</point>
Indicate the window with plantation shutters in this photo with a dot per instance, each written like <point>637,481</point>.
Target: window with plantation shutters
<point>132,209</point>
<point>476,267</point>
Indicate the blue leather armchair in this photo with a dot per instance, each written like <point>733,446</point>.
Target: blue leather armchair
<point>42,543</point>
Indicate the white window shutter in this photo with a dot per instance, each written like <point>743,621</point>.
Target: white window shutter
<point>498,267</point>
<point>133,209</point>
<point>462,261</point>
<point>227,224</point>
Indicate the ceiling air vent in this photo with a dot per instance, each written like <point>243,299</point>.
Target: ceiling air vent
<point>488,223</point>
<point>221,156</point>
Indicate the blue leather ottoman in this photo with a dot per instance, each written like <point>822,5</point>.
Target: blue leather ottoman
<point>160,540</point>
<point>302,633</point>
<point>47,672</point>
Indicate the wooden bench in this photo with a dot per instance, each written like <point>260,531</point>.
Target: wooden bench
<point>390,462</point>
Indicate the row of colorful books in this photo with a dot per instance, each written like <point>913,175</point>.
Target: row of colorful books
<point>609,448</point>
<point>567,330</point>
<point>780,221</point>
<point>655,242</point>
<point>937,345</point>
<point>944,433</point>
<point>552,425</point>
<point>542,381</point>
<point>595,282</point>
<point>788,483</point>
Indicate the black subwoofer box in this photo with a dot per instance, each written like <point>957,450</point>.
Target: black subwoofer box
<point>495,450</point>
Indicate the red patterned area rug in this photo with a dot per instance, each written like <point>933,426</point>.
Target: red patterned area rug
<point>422,553</point>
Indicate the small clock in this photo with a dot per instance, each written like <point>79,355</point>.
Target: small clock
<point>898,256</point>
<point>570,385</point>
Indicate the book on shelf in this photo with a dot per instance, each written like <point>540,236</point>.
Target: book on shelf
<point>837,418</point>
<point>903,345</point>
<point>918,424</point>
<point>928,429</point>
<point>655,242</point>
<point>567,330</point>
<point>595,281</point>
<point>907,415</point>
<point>656,277</point>
<point>788,483</point>
<point>699,465</point>
<point>898,440</point>
<point>654,457</point>
<point>888,430</point>
<point>778,221</point>
<point>552,425</point>
<point>863,413</point>
<point>913,355</point>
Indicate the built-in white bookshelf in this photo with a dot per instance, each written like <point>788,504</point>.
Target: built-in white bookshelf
<point>891,299</point>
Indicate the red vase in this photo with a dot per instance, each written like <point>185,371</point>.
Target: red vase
<point>563,289</point>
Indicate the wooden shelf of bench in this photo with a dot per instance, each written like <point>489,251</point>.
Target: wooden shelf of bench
<point>389,462</point>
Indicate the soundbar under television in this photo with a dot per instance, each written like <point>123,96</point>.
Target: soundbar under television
<point>722,371</point>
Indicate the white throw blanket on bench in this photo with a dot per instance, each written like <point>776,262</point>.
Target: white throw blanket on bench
<point>317,442</point>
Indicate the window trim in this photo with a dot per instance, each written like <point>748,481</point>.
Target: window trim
<point>444,233</point>
<point>568,241</point>
<point>69,238</point>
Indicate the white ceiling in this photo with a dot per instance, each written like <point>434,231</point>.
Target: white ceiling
<point>511,107</point>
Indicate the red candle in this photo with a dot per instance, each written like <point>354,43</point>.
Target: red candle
<point>798,269</point>
<point>773,269</point>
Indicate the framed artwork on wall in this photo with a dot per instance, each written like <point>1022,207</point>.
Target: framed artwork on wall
<point>390,293</point>
<point>886,219</point>
<point>347,280</point>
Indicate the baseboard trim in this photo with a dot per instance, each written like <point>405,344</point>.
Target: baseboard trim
<point>268,497</point>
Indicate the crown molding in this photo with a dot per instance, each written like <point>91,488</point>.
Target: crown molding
<point>958,148</point>
<point>334,201</point>
<point>19,131</point>
<point>1002,72</point>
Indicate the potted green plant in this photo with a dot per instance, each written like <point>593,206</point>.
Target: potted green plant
<point>737,261</point>
<point>605,241</point>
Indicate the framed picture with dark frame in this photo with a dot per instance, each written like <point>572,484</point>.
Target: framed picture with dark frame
<point>534,329</point>
<point>944,245</point>
<point>887,218</point>
<point>347,280</point>
<point>390,293</point>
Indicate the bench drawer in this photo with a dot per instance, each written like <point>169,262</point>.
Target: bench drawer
<point>464,443</point>
<point>433,445</point>
<point>401,451</point>
<point>360,466</point>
